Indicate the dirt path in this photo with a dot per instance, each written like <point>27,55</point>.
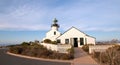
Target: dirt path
<point>82,58</point>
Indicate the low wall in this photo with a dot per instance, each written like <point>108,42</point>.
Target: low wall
<point>50,46</point>
<point>60,48</point>
<point>99,48</point>
<point>63,48</point>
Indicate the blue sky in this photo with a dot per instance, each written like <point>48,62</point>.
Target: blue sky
<point>29,20</point>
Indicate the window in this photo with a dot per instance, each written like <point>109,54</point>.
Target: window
<point>66,41</point>
<point>58,41</point>
<point>81,41</point>
<point>54,33</point>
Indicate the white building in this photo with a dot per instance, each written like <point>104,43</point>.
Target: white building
<point>72,36</point>
<point>75,37</point>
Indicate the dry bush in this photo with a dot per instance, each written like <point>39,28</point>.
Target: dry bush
<point>86,47</point>
<point>37,50</point>
<point>110,57</point>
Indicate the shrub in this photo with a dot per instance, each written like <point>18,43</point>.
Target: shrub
<point>47,41</point>
<point>54,42</point>
<point>86,47</point>
<point>96,54</point>
<point>110,57</point>
<point>25,44</point>
<point>71,50</point>
<point>39,51</point>
<point>16,49</point>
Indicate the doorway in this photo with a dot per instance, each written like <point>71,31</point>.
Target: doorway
<point>75,42</point>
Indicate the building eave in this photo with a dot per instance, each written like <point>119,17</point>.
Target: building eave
<point>76,29</point>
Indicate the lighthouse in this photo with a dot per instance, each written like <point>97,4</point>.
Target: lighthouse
<point>54,32</point>
<point>55,26</point>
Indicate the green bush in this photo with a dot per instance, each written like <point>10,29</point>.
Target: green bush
<point>47,41</point>
<point>25,44</point>
<point>54,42</point>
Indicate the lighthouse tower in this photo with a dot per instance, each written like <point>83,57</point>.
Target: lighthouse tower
<point>53,33</point>
<point>55,26</point>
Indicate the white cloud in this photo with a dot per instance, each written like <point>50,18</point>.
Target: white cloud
<point>110,29</point>
<point>86,15</point>
<point>23,27</point>
<point>23,18</point>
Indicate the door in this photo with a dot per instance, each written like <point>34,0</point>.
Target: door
<point>75,42</point>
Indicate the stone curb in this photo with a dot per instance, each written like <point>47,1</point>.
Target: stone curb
<point>35,58</point>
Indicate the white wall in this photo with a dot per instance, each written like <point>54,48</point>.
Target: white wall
<point>59,48</point>
<point>98,48</point>
<point>54,28</point>
<point>63,48</point>
<point>50,46</point>
<point>90,40</point>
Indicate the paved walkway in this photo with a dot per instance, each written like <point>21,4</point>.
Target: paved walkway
<point>82,58</point>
